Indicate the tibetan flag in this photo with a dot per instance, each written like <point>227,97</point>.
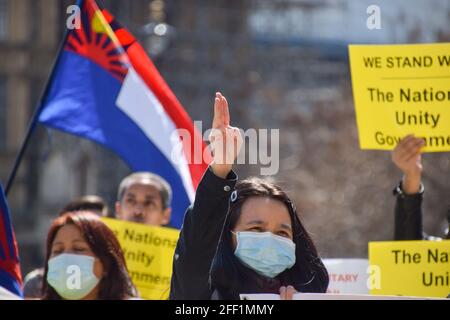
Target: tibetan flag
<point>105,88</point>
<point>10,275</point>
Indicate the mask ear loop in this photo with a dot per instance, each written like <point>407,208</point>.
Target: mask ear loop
<point>237,240</point>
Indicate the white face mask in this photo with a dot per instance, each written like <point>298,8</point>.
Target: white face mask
<point>72,275</point>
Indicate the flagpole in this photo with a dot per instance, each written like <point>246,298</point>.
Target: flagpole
<point>36,113</point>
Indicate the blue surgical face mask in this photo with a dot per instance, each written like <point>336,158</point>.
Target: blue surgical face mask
<point>264,252</point>
<point>72,275</point>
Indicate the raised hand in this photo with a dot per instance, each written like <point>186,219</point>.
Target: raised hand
<point>406,156</point>
<point>226,141</point>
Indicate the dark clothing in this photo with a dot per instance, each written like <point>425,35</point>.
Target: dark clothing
<point>205,266</point>
<point>254,283</point>
<point>199,237</point>
<point>408,215</point>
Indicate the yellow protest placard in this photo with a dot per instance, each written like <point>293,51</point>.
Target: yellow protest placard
<point>401,89</point>
<point>410,268</point>
<point>149,253</point>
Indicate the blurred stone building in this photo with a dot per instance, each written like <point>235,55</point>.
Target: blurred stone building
<point>282,64</point>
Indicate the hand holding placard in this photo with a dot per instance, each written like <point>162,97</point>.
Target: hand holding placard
<point>406,156</point>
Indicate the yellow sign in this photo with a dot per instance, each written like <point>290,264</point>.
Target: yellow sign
<point>400,90</point>
<point>410,268</point>
<point>149,254</point>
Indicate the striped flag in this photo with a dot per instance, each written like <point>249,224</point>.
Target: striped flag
<point>10,275</point>
<point>105,88</point>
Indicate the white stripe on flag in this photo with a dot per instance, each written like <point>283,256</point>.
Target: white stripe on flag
<point>140,104</point>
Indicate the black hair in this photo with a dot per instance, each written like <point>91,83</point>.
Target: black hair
<point>87,203</point>
<point>164,189</point>
<point>229,277</point>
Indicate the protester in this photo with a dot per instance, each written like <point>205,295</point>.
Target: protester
<point>84,261</point>
<point>144,197</point>
<point>409,192</point>
<point>32,287</point>
<point>262,247</point>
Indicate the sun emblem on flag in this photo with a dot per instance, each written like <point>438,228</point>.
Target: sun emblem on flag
<point>102,40</point>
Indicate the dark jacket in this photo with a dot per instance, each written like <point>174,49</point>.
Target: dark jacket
<point>204,267</point>
<point>199,237</point>
<point>408,215</point>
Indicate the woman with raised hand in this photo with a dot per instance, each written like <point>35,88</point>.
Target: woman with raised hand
<point>241,237</point>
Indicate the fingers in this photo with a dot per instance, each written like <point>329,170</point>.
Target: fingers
<point>415,153</point>
<point>408,148</point>
<point>226,112</point>
<point>221,112</point>
<point>237,141</point>
<point>283,293</point>
<point>290,292</point>
<point>218,113</point>
<point>287,293</point>
<point>400,148</point>
<point>226,143</point>
<point>412,146</point>
<point>225,140</point>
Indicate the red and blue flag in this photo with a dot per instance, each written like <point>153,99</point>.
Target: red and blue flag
<point>105,88</point>
<point>10,274</point>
